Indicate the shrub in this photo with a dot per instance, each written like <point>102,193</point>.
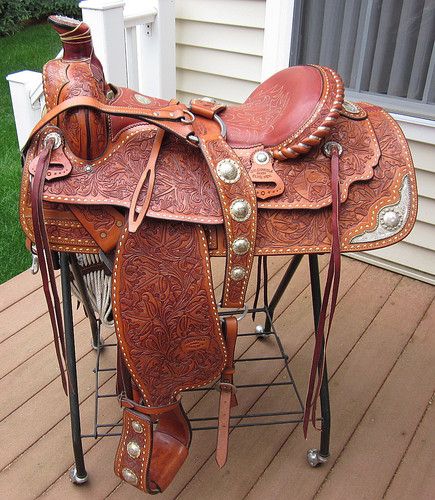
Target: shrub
<point>15,13</point>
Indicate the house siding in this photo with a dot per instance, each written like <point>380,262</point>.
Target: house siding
<point>219,48</point>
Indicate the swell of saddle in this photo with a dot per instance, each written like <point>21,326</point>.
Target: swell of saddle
<point>77,73</point>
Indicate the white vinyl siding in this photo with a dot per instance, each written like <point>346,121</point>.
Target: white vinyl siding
<point>219,48</point>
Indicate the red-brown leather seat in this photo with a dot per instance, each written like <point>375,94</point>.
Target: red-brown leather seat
<point>276,108</point>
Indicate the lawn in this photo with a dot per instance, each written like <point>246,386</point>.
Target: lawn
<point>29,49</point>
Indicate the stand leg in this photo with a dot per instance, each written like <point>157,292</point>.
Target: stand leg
<point>97,341</point>
<point>281,288</point>
<point>316,457</point>
<point>78,473</point>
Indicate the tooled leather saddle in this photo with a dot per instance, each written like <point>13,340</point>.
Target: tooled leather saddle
<point>162,187</point>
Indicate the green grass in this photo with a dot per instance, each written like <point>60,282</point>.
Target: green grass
<point>29,49</point>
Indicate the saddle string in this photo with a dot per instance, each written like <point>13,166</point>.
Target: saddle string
<point>330,297</point>
<point>45,257</point>
<point>227,398</point>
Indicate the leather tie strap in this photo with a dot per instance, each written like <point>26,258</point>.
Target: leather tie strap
<point>227,397</point>
<point>45,258</point>
<point>330,296</point>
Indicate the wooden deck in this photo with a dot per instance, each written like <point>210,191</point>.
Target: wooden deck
<point>382,379</point>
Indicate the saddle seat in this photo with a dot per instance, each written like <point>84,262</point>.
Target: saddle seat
<point>286,110</point>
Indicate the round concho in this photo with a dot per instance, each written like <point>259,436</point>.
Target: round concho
<point>391,219</point>
<point>137,427</point>
<point>129,476</point>
<point>241,246</point>
<point>133,449</point>
<point>228,171</point>
<point>261,157</point>
<point>238,273</point>
<point>55,137</point>
<point>351,107</point>
<point>142,99</point>
<point>240,210</point>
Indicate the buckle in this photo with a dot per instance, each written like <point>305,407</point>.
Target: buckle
<point>231,312</point>
<point>219,386</point>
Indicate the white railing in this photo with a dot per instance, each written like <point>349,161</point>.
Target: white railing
<point>135,42</point>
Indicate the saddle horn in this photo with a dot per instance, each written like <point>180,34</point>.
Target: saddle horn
<point>77,73</point>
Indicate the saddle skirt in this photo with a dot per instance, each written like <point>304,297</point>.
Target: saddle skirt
<point>160,188</point>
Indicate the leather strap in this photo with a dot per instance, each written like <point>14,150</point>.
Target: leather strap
<point>233,196</point>
<point>227,398</point>
<point>150,458</point>
<point>45,258</point>
<point>329,297</point>
<point>173,117</point>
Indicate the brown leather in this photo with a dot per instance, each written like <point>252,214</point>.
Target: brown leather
<point>165,201</point>
<point>228,396</point>
<point>290,112</point>
<point>45,258</point>
<point>104,224</point>
<point>161,451</point>
<point>149,175</point>
<point>216,150</point>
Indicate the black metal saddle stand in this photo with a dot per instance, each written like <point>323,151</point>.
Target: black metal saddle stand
<point>70,269</point>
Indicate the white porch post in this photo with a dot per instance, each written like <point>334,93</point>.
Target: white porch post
<point>277,36</point>
<point>25,88</point>
<point>106,20</point>
<point>156,51</point>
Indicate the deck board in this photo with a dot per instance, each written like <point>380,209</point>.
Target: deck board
<point>381,350</point>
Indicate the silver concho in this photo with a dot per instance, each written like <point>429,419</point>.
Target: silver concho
<point>390,219</point>
<point>241,246</point>
<point>350,107</point>
<point>228,171</point>
<point>142,99</point>
<point>137,427</point>
<point>238,273</point>
<point>88,168</point>
<point>240,210</point>
<point>261,157</point>
<point>208,99</point>
<point>327,148</point>
<point>129,476</point>
<point>133,449</point>
<point>56,137</point>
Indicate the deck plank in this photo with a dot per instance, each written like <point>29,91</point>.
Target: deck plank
<point>22,313</point>
<point>415,476</point>
<point>48,415</point>
<point>27,342</point>
<point>18,287</point>
<point>353,383</point>
<point>38,371</point>
<point>374,452</point>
